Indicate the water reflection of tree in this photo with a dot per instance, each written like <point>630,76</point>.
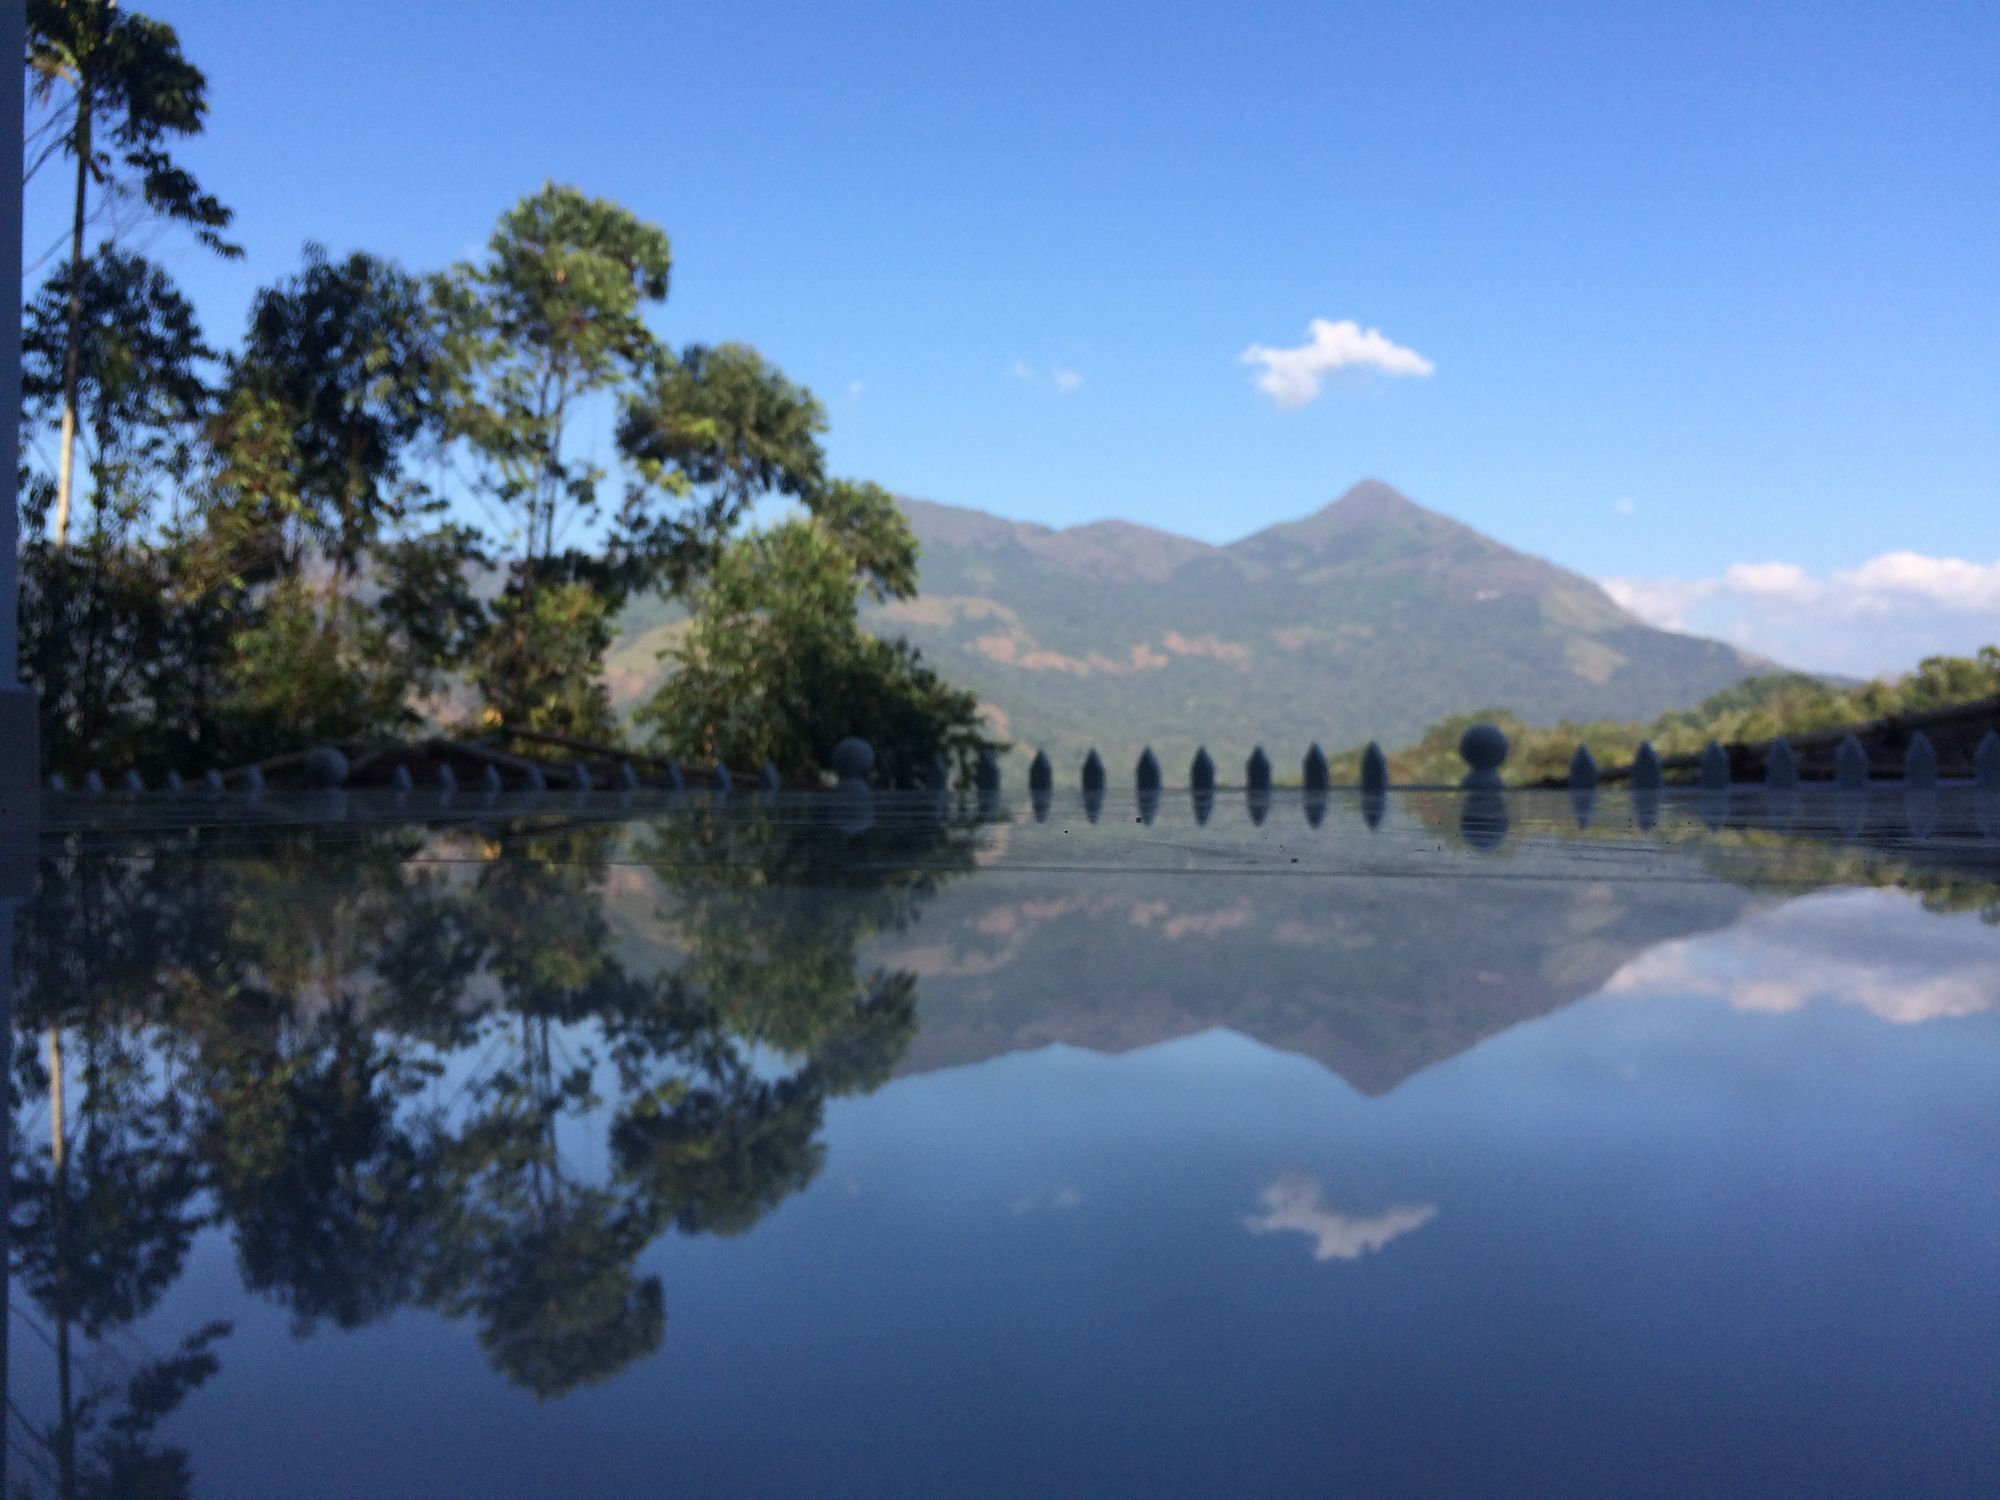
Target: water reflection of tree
<point>367,1069</point>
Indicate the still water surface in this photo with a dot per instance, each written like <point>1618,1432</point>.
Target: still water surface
<point>753,1151</point>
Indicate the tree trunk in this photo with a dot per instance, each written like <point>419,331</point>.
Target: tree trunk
<point>72,349</point>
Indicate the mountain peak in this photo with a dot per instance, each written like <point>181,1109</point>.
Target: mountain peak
<point>1368,517</point>
<point>1371,499</point>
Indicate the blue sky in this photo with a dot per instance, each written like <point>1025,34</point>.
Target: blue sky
<point>1695,287</point>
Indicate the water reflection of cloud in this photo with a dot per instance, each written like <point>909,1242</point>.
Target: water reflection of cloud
<point>1875,950</point>
<point>1293,1203</point>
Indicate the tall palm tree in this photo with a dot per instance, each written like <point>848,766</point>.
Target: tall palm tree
<point>117,88</point>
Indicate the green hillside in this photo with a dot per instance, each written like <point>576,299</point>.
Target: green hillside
<point>1372,619</point>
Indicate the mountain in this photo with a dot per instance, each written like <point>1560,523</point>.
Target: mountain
<point>1370,619</point>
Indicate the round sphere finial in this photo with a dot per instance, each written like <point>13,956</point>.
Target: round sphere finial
<point>1483,747</point>
<point>325,767</point>
<point>853,759</point>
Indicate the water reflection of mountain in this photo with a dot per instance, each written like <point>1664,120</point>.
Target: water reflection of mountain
<point>1375,979</point>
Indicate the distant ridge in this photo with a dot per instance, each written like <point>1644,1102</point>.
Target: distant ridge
<point>1371,618</point>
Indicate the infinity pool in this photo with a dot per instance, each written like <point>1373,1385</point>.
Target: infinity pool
<point>814,1147</point>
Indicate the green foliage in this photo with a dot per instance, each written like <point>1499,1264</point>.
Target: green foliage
<point>352,357</point>
<point>261,565</point>
<point>537,659</point>
<point>712,431</point>
<point>773,665</point>
<point>120,90</point>
<point>1756,710</point>
<point>550,317</point>
<point>140,386</point>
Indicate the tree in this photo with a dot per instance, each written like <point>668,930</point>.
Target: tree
<point>714,431</point>
<point>362,596</point>
<point>353,354</point>
<point>550,319</point>
<point>100,637</point>
<point>127,84</point>
<point>774,665</point>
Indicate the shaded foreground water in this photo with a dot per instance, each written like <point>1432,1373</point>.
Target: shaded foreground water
<point>792,1148</point>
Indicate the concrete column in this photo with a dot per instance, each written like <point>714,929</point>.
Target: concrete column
<point>20,751</point>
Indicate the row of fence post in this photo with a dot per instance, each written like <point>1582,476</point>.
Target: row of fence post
<point>1483,747</point>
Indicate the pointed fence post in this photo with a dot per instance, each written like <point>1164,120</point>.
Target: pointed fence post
<point>1147,773</point>
<point>580,777</point>
<point>720,781</point>
<point>57,784</point>
<point>1583,770</point>
<point>628,776</point>
<point>1315,772</point>
<point>93,784</point>
<point>1257,772</point>
<point>1374,772</point>
<point>253,781</point>
<point>1850,765</point>
<point>1714,767</point>
<point>492,781</point>
<point>1201,771</point>
<point>211,782</point>
<point>537,782</point>
<point>1781,766</point>
<point>1920,763</point>
<point>1986,763</point>
<point>400,782</point>
<point>676,778</point>
<point>986,777</point>
<point>446,778</point>
<point>1041,775</point>
<point>767,777</point>
<point>172,782</point>
<point>1093,773</point>
<point>1645,768</point>
<point>132,781</point>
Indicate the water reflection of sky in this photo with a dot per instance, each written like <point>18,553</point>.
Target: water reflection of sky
<point>1682,1186</point>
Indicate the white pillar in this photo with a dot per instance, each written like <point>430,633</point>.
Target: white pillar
<point>20,752</point>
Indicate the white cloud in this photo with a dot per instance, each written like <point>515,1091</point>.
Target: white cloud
<point>1882,616</point>
<point>1624,505</point>
<point>855,388</point>
<point>1062,382</point>
<point>1874,950</point>
<point>1292,1203</point>
<point>1292,376</point>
